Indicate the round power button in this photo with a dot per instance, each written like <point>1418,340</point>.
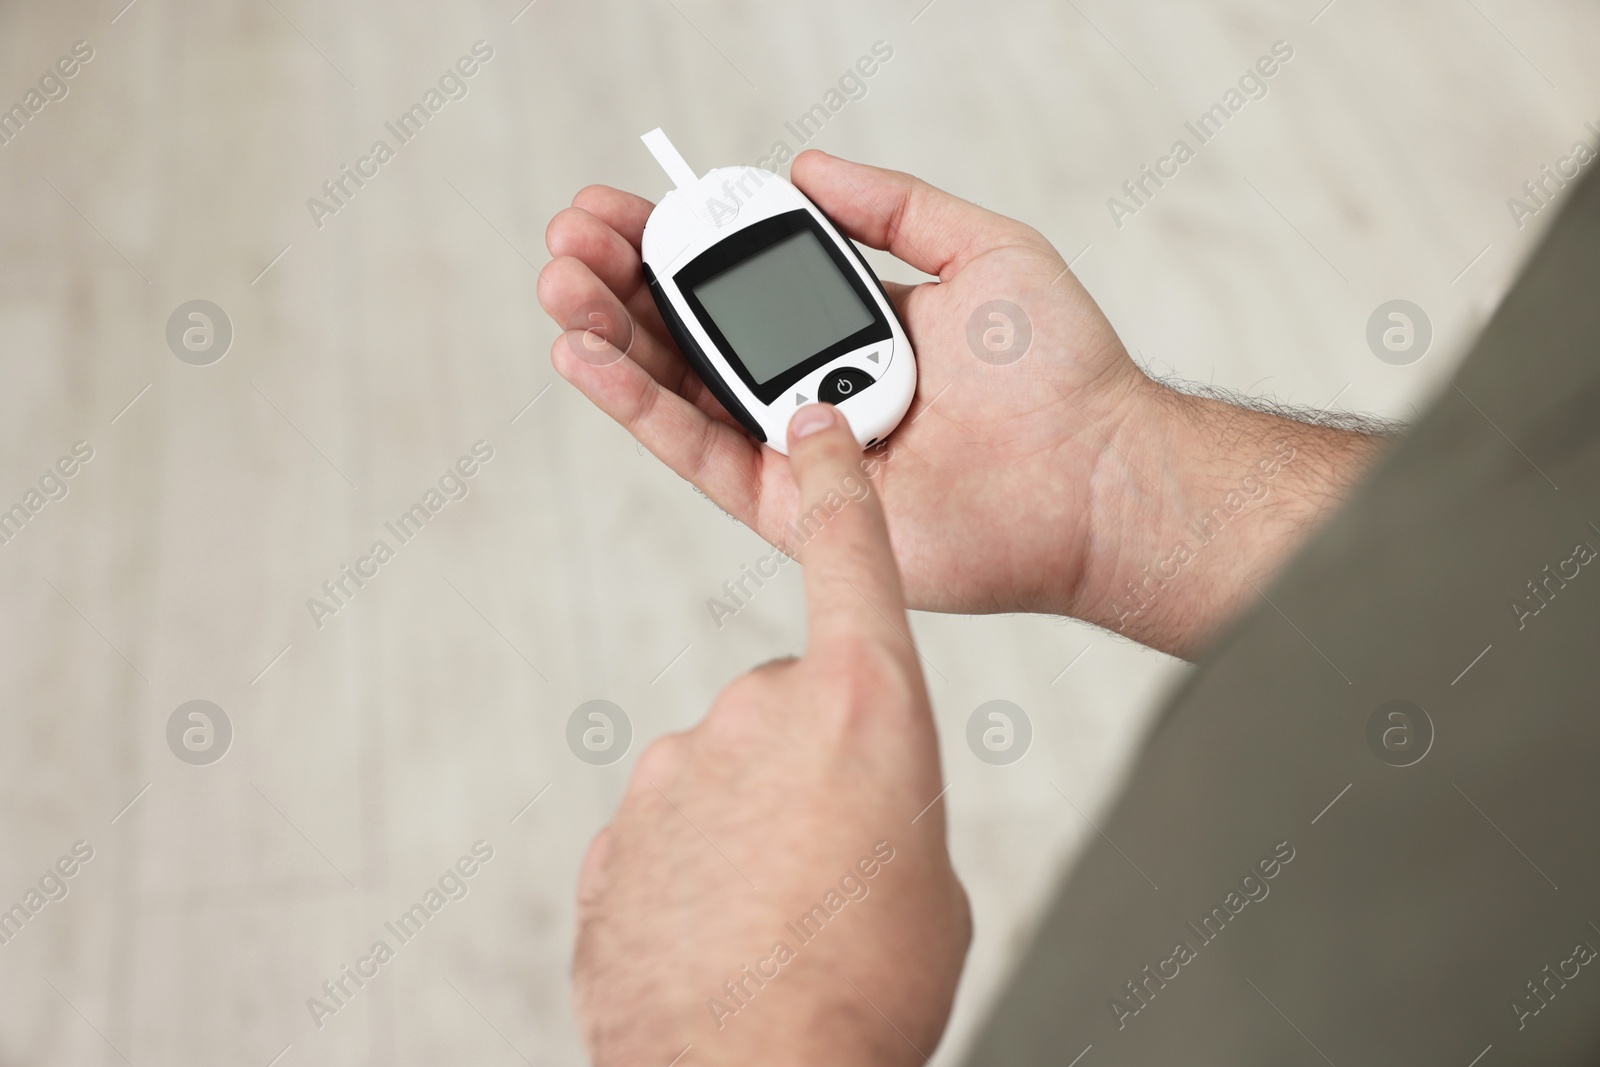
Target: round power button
<point>843,384</point>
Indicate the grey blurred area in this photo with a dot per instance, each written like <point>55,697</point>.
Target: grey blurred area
<point>385,339</point>
<point>1364,831</point>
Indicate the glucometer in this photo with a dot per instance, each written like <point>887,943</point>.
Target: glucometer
<point>771,304</point>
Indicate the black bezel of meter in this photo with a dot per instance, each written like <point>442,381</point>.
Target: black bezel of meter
<point>757,238</point>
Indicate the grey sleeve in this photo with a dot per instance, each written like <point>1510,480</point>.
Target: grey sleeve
<point>1371,817</point>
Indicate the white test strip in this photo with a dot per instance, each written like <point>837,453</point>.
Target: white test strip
<point>671,161</point>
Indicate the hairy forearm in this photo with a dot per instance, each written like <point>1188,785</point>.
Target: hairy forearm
<point>1196,502</point>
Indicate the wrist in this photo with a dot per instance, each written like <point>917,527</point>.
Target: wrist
<point>1195,499</point>
<point>840,1031</point>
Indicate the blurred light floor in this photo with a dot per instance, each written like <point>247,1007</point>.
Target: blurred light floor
<point>374,346</point>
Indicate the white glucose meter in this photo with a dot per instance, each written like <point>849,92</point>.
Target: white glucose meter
<point>772,306</point>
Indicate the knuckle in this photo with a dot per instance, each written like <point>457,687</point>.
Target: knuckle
<point>644,396</point>
<point>863,686</point>
<point>742,699</point>
<point>753,686</point>
<point>703,457</point>
<point>659,763</point>
<point>737,695</point>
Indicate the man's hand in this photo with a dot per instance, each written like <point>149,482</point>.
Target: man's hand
<point>775,887</point>
<point>1046,484</point>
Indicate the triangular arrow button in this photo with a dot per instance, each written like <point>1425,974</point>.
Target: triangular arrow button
<point>873,356</point>
<point>801,398</point>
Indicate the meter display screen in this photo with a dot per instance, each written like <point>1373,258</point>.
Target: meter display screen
<point>783,305</point>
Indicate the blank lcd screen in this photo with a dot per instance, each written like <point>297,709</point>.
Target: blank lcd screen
<point>783,305</point>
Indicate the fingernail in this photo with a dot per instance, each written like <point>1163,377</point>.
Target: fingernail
<point>810,419</point>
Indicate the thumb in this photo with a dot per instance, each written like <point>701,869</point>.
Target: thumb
<point>934,231</point>
<point>852,583</point>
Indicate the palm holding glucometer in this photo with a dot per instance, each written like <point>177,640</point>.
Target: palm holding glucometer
<point>1048,480</point>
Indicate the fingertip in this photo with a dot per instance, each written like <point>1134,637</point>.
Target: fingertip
<point>623,211</point>
<point>811,419</point>
<point>838,532</point>
<point>823,449</point>
<point>555,272</point>
<point>561,358</point>
<point>826,177</point>
<point>809,160</point>
<point>554,226</point>
<point>584,348</point>
<point>570,367</point>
